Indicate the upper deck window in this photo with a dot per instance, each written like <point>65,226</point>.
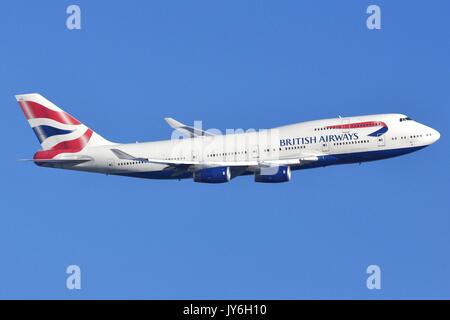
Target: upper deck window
<point>405,119</point>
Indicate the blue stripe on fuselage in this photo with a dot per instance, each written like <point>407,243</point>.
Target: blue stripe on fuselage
<point>379,132</point>
<point>357,157</point>
<point>163,174</point>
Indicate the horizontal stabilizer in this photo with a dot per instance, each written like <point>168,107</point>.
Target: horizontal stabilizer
<point>125,156</point>
<point>73,161</point>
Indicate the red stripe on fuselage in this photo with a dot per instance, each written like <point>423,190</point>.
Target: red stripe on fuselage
<point>366,124</point>
<point>33,110</point>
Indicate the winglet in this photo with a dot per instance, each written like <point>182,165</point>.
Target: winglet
<point>190,131</point>
<point>174,123</point>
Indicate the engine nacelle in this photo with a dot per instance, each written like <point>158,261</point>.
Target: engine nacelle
<point>213,175</point>
<point>274,174</point>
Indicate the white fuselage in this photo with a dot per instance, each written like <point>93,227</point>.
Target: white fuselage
<point>330,141</point>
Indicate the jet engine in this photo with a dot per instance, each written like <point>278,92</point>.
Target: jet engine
<point>213,175</point>
<point>274,174</point>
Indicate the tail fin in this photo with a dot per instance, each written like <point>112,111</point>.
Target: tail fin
<point>56,130</point>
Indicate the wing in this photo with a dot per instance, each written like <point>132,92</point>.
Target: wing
<point>190,131</point>
<point>125,156</point>
<point>251,165</point>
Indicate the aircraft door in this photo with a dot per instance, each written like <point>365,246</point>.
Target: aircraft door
<point>412,140</point>
<point>194,155</point>
<point>381,141</point>
<point>345,125</point>
<point>110,163</point>
<point>254,152</point>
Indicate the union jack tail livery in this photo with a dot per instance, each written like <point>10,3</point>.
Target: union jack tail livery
<point>57,131</point>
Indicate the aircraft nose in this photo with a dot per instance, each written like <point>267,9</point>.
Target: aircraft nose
<point>436,135</point>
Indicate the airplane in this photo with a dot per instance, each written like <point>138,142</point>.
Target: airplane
<point>269,155</point>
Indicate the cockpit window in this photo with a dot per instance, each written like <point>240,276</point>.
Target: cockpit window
<point>405,119</point>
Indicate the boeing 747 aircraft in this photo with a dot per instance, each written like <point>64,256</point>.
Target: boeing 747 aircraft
<point>269,155</point>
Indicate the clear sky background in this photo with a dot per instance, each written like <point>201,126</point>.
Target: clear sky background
<point>231,64</point>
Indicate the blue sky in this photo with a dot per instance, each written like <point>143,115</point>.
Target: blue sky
<point>232,64</point>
